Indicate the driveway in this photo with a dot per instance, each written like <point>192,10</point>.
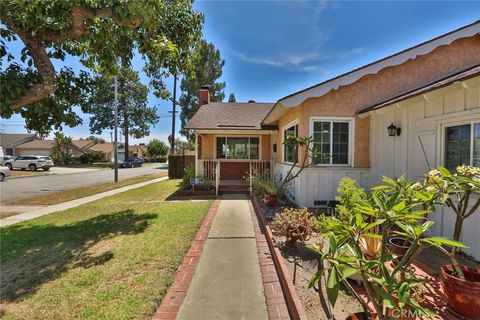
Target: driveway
<point>23,188</point>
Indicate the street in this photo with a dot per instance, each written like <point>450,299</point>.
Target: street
<point>22,188</point>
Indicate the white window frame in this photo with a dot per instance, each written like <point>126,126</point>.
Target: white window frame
<point>351,139</point>
<point>444,127</point>
<point>260,151</point>
<point>285,128</point>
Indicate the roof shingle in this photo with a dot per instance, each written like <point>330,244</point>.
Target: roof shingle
<point>236,116</point>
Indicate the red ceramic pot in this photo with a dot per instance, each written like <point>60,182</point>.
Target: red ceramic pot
<point>270,200</point>
<point>463,296</point>
<point>357,316</point>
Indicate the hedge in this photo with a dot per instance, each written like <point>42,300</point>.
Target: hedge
<point>177,165</point>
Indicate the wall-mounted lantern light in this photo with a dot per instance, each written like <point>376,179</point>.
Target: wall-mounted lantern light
<point>393,130</point>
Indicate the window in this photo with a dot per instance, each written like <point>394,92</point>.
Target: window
<point>331,142</point>
<point>462,145</point>
<point>289,152</point>
<point>238,148</point>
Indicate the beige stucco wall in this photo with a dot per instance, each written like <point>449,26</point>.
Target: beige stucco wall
<point>391,81</point>
<point>266,147</point>
<point>207,147</point>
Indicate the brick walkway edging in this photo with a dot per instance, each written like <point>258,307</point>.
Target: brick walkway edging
<point>176,293</point>
<point>294,305</point>
<point>276,303</point>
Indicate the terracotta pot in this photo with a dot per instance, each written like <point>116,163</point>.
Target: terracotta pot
<point>463,296</point>
<point>270,200</point>
<point>357,316</point>
<point>399,245</point>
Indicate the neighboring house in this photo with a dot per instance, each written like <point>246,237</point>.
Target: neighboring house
<point>430,91</point>
<point>138,150</point>
<point>83,145</point>
<point>107,150</point>
<point>9,141</point>
<point>43,148</point>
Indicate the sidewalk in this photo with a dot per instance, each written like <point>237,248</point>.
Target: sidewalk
<point>224,268</point>
<point>70,204</point>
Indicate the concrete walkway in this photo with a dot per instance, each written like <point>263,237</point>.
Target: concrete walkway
<point>227,283</point>
<point>70,204</point>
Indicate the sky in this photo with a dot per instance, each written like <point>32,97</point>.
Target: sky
<point>274,48</point>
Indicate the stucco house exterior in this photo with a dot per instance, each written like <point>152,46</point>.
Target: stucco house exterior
<point>430,92</point>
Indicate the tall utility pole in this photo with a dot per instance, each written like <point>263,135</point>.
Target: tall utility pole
<point>115,165</point>
<point>174,101</point>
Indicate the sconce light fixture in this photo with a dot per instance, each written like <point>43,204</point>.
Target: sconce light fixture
<point>393,130</point>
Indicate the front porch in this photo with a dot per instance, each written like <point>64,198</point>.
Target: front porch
<point>229,175</point>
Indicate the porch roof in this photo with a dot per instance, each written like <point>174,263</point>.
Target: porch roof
<point>231,116</point>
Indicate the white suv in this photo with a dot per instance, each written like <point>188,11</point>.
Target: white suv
<point>31,163</point>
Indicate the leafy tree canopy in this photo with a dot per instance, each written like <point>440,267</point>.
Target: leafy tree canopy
<point>135,117</point>
<point>231,98</point>
<point>101,35</point>
<point>207,69</point>
<point>157,148</point>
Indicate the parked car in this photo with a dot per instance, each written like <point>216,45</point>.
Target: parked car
<point>4,173</point>
<point>143,159</point>
<point>135,162</point>
<point>123,164</point>
<point>6,159</point>
<point>30,162</point>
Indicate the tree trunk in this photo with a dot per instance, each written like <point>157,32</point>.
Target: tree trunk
<point>456,233</point>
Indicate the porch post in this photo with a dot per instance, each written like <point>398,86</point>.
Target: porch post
<point>196,154</point>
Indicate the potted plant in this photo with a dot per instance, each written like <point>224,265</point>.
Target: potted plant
<point>461,285</point>
<point>270,193</point>
<point>388,286</point>
<point>296,225</point>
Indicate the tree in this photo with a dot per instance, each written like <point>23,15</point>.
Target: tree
<point>134,116</point>
<point>157,148</point>
<point>181,146</point>
<point>62,148</point>
<point>95,138</point>
<point>207,69</point>
<point>100,34</point>
<point>231,98</point>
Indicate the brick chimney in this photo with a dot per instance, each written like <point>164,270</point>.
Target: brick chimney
<point>203,95</point>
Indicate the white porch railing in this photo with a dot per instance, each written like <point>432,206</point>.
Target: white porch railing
<point>260,168</point>
<point>217,177</point>
<point>209,170</point>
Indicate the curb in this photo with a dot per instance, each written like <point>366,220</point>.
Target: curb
<point>294,305</point>
<point>176,293</point>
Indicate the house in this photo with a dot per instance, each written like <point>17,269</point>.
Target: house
<point>44,148</point>
<point>427,95</point>
<point>9,141</point>
<point>107,151</point>
<point>83,145</point>
<point>139,150</point>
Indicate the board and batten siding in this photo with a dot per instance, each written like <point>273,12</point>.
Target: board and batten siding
<point>420,146</point>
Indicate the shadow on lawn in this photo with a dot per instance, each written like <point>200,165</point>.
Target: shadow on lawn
<point>33,255</point>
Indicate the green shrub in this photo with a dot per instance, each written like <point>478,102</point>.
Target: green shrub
<point>351,195</point>
<point>189,174</point>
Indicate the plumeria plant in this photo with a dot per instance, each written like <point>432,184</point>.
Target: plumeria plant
<point>456,191</point>
<point>398,207</point>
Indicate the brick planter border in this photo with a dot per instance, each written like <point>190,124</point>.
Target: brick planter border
<point>176,293</point>
<point>276,303</point>
<point>294,305</point>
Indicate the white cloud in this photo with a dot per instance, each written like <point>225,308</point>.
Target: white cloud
<point>298,60</point>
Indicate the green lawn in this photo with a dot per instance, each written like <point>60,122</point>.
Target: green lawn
<point>110,259</point>
<point>72,194</point>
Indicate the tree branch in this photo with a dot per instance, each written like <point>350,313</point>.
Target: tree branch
<point>34,43</point>
<point>38,91</point>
